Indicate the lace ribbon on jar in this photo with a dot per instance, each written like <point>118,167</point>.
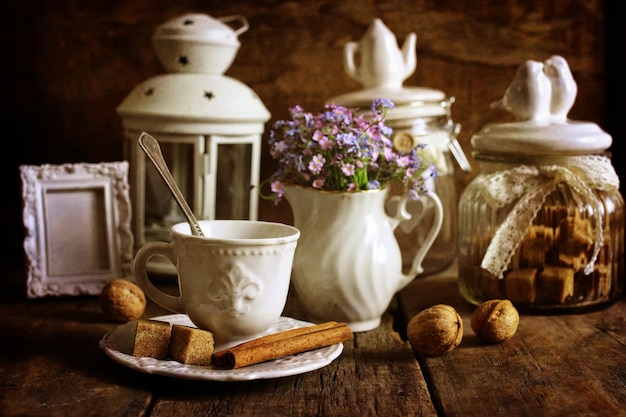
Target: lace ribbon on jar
<point>530,185</point>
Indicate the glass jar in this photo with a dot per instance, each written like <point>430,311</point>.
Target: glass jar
<point>421,116</point>
<point>542,224</point>
<point>549,243</point>
<point>430,124</point>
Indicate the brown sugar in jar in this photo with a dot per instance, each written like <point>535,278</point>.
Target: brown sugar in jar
<point>570,255</point>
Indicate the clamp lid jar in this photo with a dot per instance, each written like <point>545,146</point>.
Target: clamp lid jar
<point>421,117</point>
<point>542,224</point>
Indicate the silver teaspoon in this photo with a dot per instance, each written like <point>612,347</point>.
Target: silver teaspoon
<point>152,149</point>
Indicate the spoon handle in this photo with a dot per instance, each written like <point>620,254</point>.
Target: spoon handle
<point>152,149</point>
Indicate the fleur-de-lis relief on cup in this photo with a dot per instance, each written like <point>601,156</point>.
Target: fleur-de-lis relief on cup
<point>235,291</point>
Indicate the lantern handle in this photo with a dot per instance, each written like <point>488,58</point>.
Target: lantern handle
<point>152,149</point>
<point>236,18</point>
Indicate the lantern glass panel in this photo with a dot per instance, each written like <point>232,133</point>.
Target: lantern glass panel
<point>161,210</point>
<point>233,181</point>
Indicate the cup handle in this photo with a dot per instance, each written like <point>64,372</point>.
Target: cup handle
<point>145,252</point>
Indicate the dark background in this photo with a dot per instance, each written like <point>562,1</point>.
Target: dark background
<point>68,64</point>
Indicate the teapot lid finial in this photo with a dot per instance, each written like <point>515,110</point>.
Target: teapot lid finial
<point>382,68</point>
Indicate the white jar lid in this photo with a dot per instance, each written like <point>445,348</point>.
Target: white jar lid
<point>410,102</point>
<point>540,96</point>
<point>531,138</point>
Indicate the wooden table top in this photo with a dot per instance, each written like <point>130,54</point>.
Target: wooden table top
<point>556,365</point>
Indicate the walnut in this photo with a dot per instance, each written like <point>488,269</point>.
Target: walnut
<point>122,301</point>
<point>435,330</point>
<point>495,321</point>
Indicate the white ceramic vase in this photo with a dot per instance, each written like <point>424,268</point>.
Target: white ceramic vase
<point>348,264</point>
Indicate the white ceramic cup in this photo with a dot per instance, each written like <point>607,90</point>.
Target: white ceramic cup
<point>233,281</point>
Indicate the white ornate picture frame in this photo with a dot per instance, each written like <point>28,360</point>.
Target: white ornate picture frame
<point>77,227</point>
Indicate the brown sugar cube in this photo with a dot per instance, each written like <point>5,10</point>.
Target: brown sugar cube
<point>574,242</point>
<point>602,280</point>
<point>575,236</point>
<point>151,339</point>
<point>489,283</point>
<point>576,262</point>
<point>519,285</point>
<point>533,252</point>
<point>537,242</point>
<point>554,214</point>
<point>541,232</point>
<point>190,345</point>
<point>548,234</point>
<point>556,283</point>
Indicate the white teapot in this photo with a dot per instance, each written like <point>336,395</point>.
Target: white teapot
<point>376,61</point>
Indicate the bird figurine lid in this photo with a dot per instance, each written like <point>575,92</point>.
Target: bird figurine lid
<point>540,97</point>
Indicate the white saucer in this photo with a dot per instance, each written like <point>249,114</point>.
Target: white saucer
<point>118,345</point>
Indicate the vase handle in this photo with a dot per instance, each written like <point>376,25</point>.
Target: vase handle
<point>402,215</point>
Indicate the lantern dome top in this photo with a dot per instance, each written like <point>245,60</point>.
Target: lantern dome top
<point>187,99</point>
<point>195,97</point>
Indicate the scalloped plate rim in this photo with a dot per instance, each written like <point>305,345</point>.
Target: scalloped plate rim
<point>113,341</point>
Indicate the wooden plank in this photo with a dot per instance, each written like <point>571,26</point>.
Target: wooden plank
<point>555,365</point>
<point>52,365</point>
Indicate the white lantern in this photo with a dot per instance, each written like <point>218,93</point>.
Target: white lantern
<point>209,127</point>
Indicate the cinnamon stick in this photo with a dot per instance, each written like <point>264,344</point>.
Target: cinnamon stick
<point>288,342</point>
